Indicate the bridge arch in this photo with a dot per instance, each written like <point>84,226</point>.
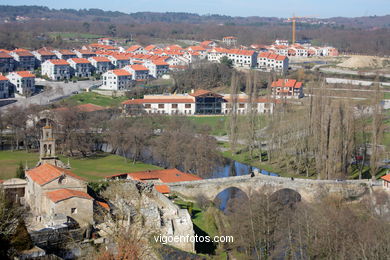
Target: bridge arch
<point>222,198</point>
<point>286,196</point>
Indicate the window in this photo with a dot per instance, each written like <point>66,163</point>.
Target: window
<point>161,106</point>
<point>174,105</point>
<point>242,106</point>
<point>148,105</point>
<point>188,106</point>
<point>73,210</point>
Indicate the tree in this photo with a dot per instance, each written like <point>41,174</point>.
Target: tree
<point>112,30</point>
<point>377,131</point>
<point>20,171</point>
<point>226,61</point>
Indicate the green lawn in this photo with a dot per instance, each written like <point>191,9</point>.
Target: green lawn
<point>216,123</point>
<point>90,168</point>
<point>97,99</point>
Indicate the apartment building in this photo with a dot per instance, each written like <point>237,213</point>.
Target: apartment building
<point>65,54</point>
<point>43,55</point>
<point>138,72</point>
<point>230,40</point>
<point>240,58</point>
<point>287,88</point>
<point>80,67</point>
<point>100,64</point>
<point>56,69</point>
<point>119,60</point>
<point>157,68</point>
<point>118,79</point>
<point>22,82</point>
<point>7,62</point>
<point>267,61</point>
<point>84,53</point>
<point>24,59</point>
<point>4,87</point>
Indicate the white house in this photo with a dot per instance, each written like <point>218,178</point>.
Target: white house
<point>119,79</point>
<point>56,69</point>
<point>267,61</point>
<point>161,104</point>
<point>244,106</point>
<point>80,67</point>
<point>139,72</point>
<point>100,64</point>
<point>157,68</point>
<point>229,40</point>
<point>119,60</point>
<point>4,87</point>
<point>84,53</point>
<point>25,60</point>
<point>43,55</point>
<point>22,81</point>
<point>287,88</point>
<point>239,58</point>
<point>65,54</point>
<point>137,49</point>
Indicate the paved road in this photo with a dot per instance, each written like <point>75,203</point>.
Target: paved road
<point>56,91</point>
<point>351,72</point>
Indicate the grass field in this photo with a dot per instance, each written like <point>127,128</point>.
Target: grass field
<point>97,99</point>
<point>216,123</point>
<point>90,168</point>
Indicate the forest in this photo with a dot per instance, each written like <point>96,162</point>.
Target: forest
<point>347,34</point>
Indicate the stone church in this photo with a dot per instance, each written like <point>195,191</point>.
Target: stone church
<point>53,192</point>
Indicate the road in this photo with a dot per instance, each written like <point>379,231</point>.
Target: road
<point>55,91</point>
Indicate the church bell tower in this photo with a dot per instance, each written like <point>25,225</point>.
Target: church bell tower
<point>47,149</point>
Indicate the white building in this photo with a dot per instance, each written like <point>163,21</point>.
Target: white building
<point>137,49</point>
<point>84,53</point>
<point>157,68</point>
<point>25,60</point>
<point>287,88</point>
<point>4,87</point>
<point>107,41</point>
<point>43,55</point>
<point>100,64</point>
<point>22,81</point>
<point>239,58</point>
<point>118,79</point>
<point>200,102</point>
<point>119,60</point>
<point>56,69</point>
<point>230,40</point>
<point>80,67</point>
<point>139,72</point>
<point>161,104</point>
<point>65,54</point>
<point>267,61</point>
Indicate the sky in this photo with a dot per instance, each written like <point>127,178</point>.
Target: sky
<point>273,8</point>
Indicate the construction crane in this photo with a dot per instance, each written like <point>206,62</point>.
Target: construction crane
<point>294,25</point>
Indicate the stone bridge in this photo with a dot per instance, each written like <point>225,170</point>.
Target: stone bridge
<point>309,190</point>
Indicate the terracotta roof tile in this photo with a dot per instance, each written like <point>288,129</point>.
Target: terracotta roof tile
<point>165,176</point>
<point>138,67</point>
<point>59,62</point>
<point>63,194</point>
<point>25,74</point>
<point>164,189</point>
<point>80,60</point>
<point>47,172</point>
<point>386,177</point>
<point>120,72</point>
<point>101,59</point>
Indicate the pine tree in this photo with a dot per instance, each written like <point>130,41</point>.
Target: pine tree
<point>20,171</point>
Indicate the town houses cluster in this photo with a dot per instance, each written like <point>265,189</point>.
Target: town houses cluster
<point>121,67</point>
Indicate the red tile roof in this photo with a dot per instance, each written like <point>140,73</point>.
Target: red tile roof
<point>45,52</point>
<point>25,74</point>
<point>291,83</point>
<point>196,48</point>
<point>165,176</point>
<point>86,52</point>
<point>64,194</point>
<point>80,60</point>
<point>66,52</point>
<point>386,177</point>
<point>134,48</point>
<point>157,100</point>
<point>164,189</point>
<point>59,62</point>
<point>160,63</point>
<point>103,204</point>
<point>101,59</point>
<point>138,67</point>
<point>24,53</point>
<point>150,47</point>
<point>201,92</point>
<point>120,72</point>
<point>46,173</point>
<point>2,77</point>
<point>5,55</point>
